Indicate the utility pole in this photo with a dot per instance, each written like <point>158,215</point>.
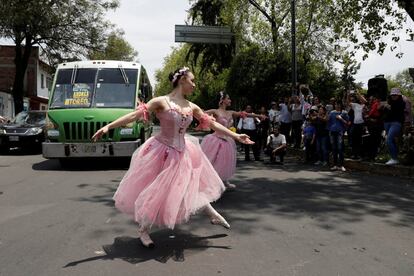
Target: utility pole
<point>293,31</point>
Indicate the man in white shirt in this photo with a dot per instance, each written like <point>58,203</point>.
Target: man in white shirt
<point>276,145</point>
<point>358,122</point>
<point>274,114</point>
<point>248,126</point>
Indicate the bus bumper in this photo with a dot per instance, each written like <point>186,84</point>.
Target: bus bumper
<point>76,150</point>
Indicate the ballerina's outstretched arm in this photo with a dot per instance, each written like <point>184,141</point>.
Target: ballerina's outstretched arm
<point>140,113</point>
<point>206,121</point>
<point>244,114</point>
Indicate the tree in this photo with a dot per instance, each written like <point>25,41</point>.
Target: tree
<point>403,81</point>
<point>349,68</point>
<point>408,5</point>
<point>207,83</point>
<point>64,30</point>
<point>176,59</point>
<point>358,24</point>
<point>117,48</point>
<point>213,57</point>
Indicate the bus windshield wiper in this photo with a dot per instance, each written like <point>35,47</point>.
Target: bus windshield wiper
<point>124,75</point>
<point>73,77</point>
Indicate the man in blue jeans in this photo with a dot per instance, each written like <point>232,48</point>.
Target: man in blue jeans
<point>337,122</point>
<point>393,120</point>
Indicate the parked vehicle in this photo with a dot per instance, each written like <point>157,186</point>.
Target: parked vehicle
<point>26,130</point>
<point>87,95</point>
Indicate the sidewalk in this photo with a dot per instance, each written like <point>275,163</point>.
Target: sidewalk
<point>369,167</point>
<point>357,165</point>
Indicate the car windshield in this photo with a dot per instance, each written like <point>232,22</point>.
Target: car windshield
<point>101,88</point>
<point>20,118</point>
<point>36,118</point>
<point>31,118</point>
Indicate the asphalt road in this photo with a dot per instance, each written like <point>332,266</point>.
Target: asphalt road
<point>290,220</point>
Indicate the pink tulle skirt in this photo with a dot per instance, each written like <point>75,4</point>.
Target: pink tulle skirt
<point>164,186</point>
<point>222,154</point>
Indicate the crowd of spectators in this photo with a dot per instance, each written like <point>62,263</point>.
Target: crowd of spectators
<point>355,125</point>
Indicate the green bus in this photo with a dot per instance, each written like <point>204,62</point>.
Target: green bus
<point>87,95</point>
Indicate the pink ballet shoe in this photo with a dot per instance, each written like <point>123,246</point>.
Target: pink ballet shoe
<point>219,220</point>
<point>145,239</point>
<point>229,186</point>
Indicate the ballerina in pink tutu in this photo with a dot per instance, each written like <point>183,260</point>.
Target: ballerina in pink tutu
<point>170,178</point>
<point>219,147</point>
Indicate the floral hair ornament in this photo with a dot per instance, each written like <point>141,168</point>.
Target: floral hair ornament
<point>180,72</point>
<point>221,97</point>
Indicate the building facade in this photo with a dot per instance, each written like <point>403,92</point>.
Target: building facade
<point>37,81</point>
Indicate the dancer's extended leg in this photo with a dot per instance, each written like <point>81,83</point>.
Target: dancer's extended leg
<point>215,217</point>
<point>144,237</point>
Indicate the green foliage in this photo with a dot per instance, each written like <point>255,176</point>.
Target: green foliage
<point>349,68</point>
<point>366,24</point>
<point>207,83</point>
<point>404,81</point>
<point>408,5</point>
<point>176,59</point>
<point>212,57</point>
<point>63,29</point>
<point>117,48</point>
<point>255,77</point>
<point>258,70</point>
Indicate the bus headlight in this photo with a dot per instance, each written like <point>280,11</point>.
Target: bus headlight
<point>126,131</point>
<point>2,131</point>
<point>53,133</point>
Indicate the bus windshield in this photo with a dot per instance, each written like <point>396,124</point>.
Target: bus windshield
<point>91,87</point>
<point>116,88</point>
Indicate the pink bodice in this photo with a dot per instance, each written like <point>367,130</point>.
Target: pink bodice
<point>173,127</point>
<point>226,121</point>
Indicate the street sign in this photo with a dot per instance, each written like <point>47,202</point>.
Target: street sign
<point>203,34</point>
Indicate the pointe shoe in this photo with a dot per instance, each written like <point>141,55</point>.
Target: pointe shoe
<point>229,186</point>
<point>146,240</point>
<point>219,220</point>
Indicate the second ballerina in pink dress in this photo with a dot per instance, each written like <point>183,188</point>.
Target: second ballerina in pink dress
<point>220,148</point>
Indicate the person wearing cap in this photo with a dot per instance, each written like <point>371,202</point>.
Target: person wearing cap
<point>393,120</point>
<point>274,114</point>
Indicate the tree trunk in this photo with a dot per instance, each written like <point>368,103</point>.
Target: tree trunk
<point>21,62</point>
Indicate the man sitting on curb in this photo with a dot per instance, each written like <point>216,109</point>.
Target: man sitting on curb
<point>276,146</point>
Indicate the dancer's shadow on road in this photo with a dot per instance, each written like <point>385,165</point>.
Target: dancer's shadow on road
<point>168,245</point>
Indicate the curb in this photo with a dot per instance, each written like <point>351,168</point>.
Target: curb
<point>369,167</point>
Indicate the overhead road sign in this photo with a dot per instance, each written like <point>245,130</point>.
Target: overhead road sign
<point>203,34</point>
